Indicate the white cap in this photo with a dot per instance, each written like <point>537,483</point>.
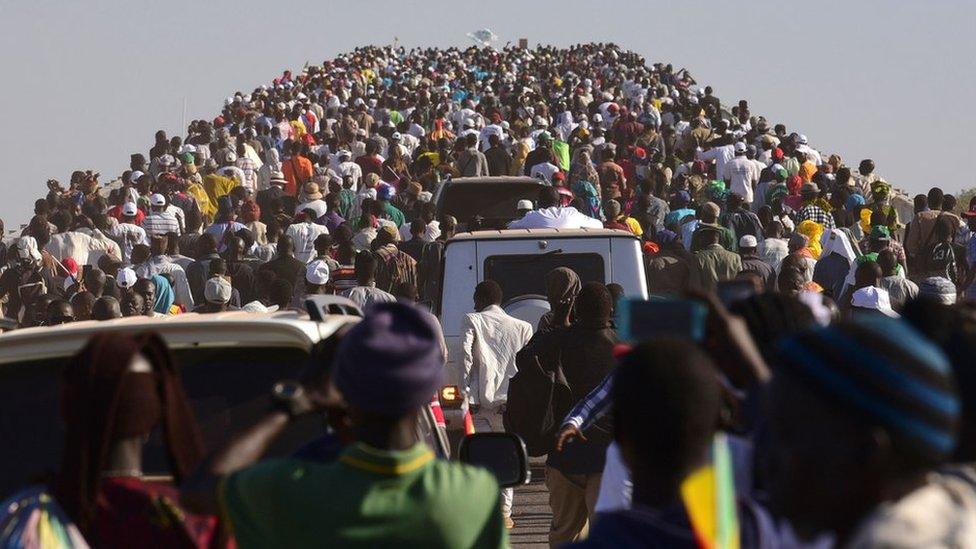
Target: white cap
<point>524,205</point>
<point>129,209</point>
<point>134,176</point>
<point>802,139</point>
<point>217,290</point>
<point>871,297</point>
<point>317,272</point>
<point>258,307</point>
<point>343,152</point>
<point>396,136</point>
<point>748,241</point>
<point>740,147</point>
<point>157,200</point>
<point>126,278</point>
<point>231,157</point>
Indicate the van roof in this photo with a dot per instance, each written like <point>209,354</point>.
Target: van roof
<point>231,328</point>
<point>511,234</point>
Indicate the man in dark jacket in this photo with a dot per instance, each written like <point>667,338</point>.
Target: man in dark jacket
<point>198,272</point>
<point>285,266</point>
<point>748,251</point>
<point>499,161</point>
<point>673,269</point>
<point>584,352</point>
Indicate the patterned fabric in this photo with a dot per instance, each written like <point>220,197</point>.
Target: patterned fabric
<point>594,407</point>
<point>816,214</point>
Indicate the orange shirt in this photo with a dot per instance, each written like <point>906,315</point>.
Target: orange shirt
<point>297,171</point>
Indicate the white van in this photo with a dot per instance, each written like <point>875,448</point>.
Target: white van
<point>518,260</point>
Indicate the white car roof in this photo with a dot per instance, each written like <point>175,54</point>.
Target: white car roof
<point>228,329</point>
<point>504,234</point>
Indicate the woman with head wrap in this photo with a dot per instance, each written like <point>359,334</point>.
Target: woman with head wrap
<point>813,231</point>
<point>562,287</point>
<point>835,269</point>
<point>793,199</point>
<point>881,204</point>
<point>582,169</point>
<point>251,218</point>
<point>165,299</point>
<point>117,390</point>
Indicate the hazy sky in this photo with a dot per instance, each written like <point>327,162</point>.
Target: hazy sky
<point>85,84</point>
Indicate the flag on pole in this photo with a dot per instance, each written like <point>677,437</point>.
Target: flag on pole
<point>709,497</point>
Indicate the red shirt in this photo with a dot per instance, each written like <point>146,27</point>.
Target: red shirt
<point>370,164</point>
<point>116,212</point>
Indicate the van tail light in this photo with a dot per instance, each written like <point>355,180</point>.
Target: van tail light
<point>451,397</point>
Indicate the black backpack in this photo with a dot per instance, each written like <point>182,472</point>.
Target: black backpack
<point>538,400</point>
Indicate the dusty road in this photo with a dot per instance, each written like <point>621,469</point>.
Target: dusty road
<point>531,510</point>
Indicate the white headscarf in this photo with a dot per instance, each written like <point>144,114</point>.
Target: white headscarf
<point>273,159</point>
<point>835,241</point>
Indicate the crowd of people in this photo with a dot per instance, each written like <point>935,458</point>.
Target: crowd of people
<point>282,192</point>
<point>838,329</point>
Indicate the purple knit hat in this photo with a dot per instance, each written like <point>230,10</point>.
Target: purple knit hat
<point>391,362</point>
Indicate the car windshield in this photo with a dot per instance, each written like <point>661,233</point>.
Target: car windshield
<point>520,275</point>
<point>228,389</point>
<point>495,202</point>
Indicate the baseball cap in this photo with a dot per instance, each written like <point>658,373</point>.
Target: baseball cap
<point>524,205</point>
<point>317,272</point>
<point>217,290</point>
<point>157,200</point>
<point>129,209</point>
<point>134,176</point>
<point>126,278</point>
<point>740,147</point>
<point>748,241</point>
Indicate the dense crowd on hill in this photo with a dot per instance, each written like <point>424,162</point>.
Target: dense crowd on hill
<point>322,182</point>
<point>344,157</point>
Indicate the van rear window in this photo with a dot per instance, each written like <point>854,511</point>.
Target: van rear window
<point>520,275</point>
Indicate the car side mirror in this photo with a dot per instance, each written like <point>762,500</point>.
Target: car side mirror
<point>501,453</point>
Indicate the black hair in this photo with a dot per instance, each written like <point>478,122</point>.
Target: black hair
<point>488,291</point>
<point>673,381</point>
<point>365,266</point>
<point>593,304</point>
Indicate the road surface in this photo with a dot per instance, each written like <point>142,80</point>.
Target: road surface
<point>531,510</point>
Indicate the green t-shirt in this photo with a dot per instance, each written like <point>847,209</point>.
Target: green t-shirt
<point>395,214</point>
<point>368,498</point>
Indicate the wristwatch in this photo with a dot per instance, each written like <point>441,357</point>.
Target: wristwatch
<point>290,397</point>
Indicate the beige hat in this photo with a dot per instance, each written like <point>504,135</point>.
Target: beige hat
<point>311,191</point>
